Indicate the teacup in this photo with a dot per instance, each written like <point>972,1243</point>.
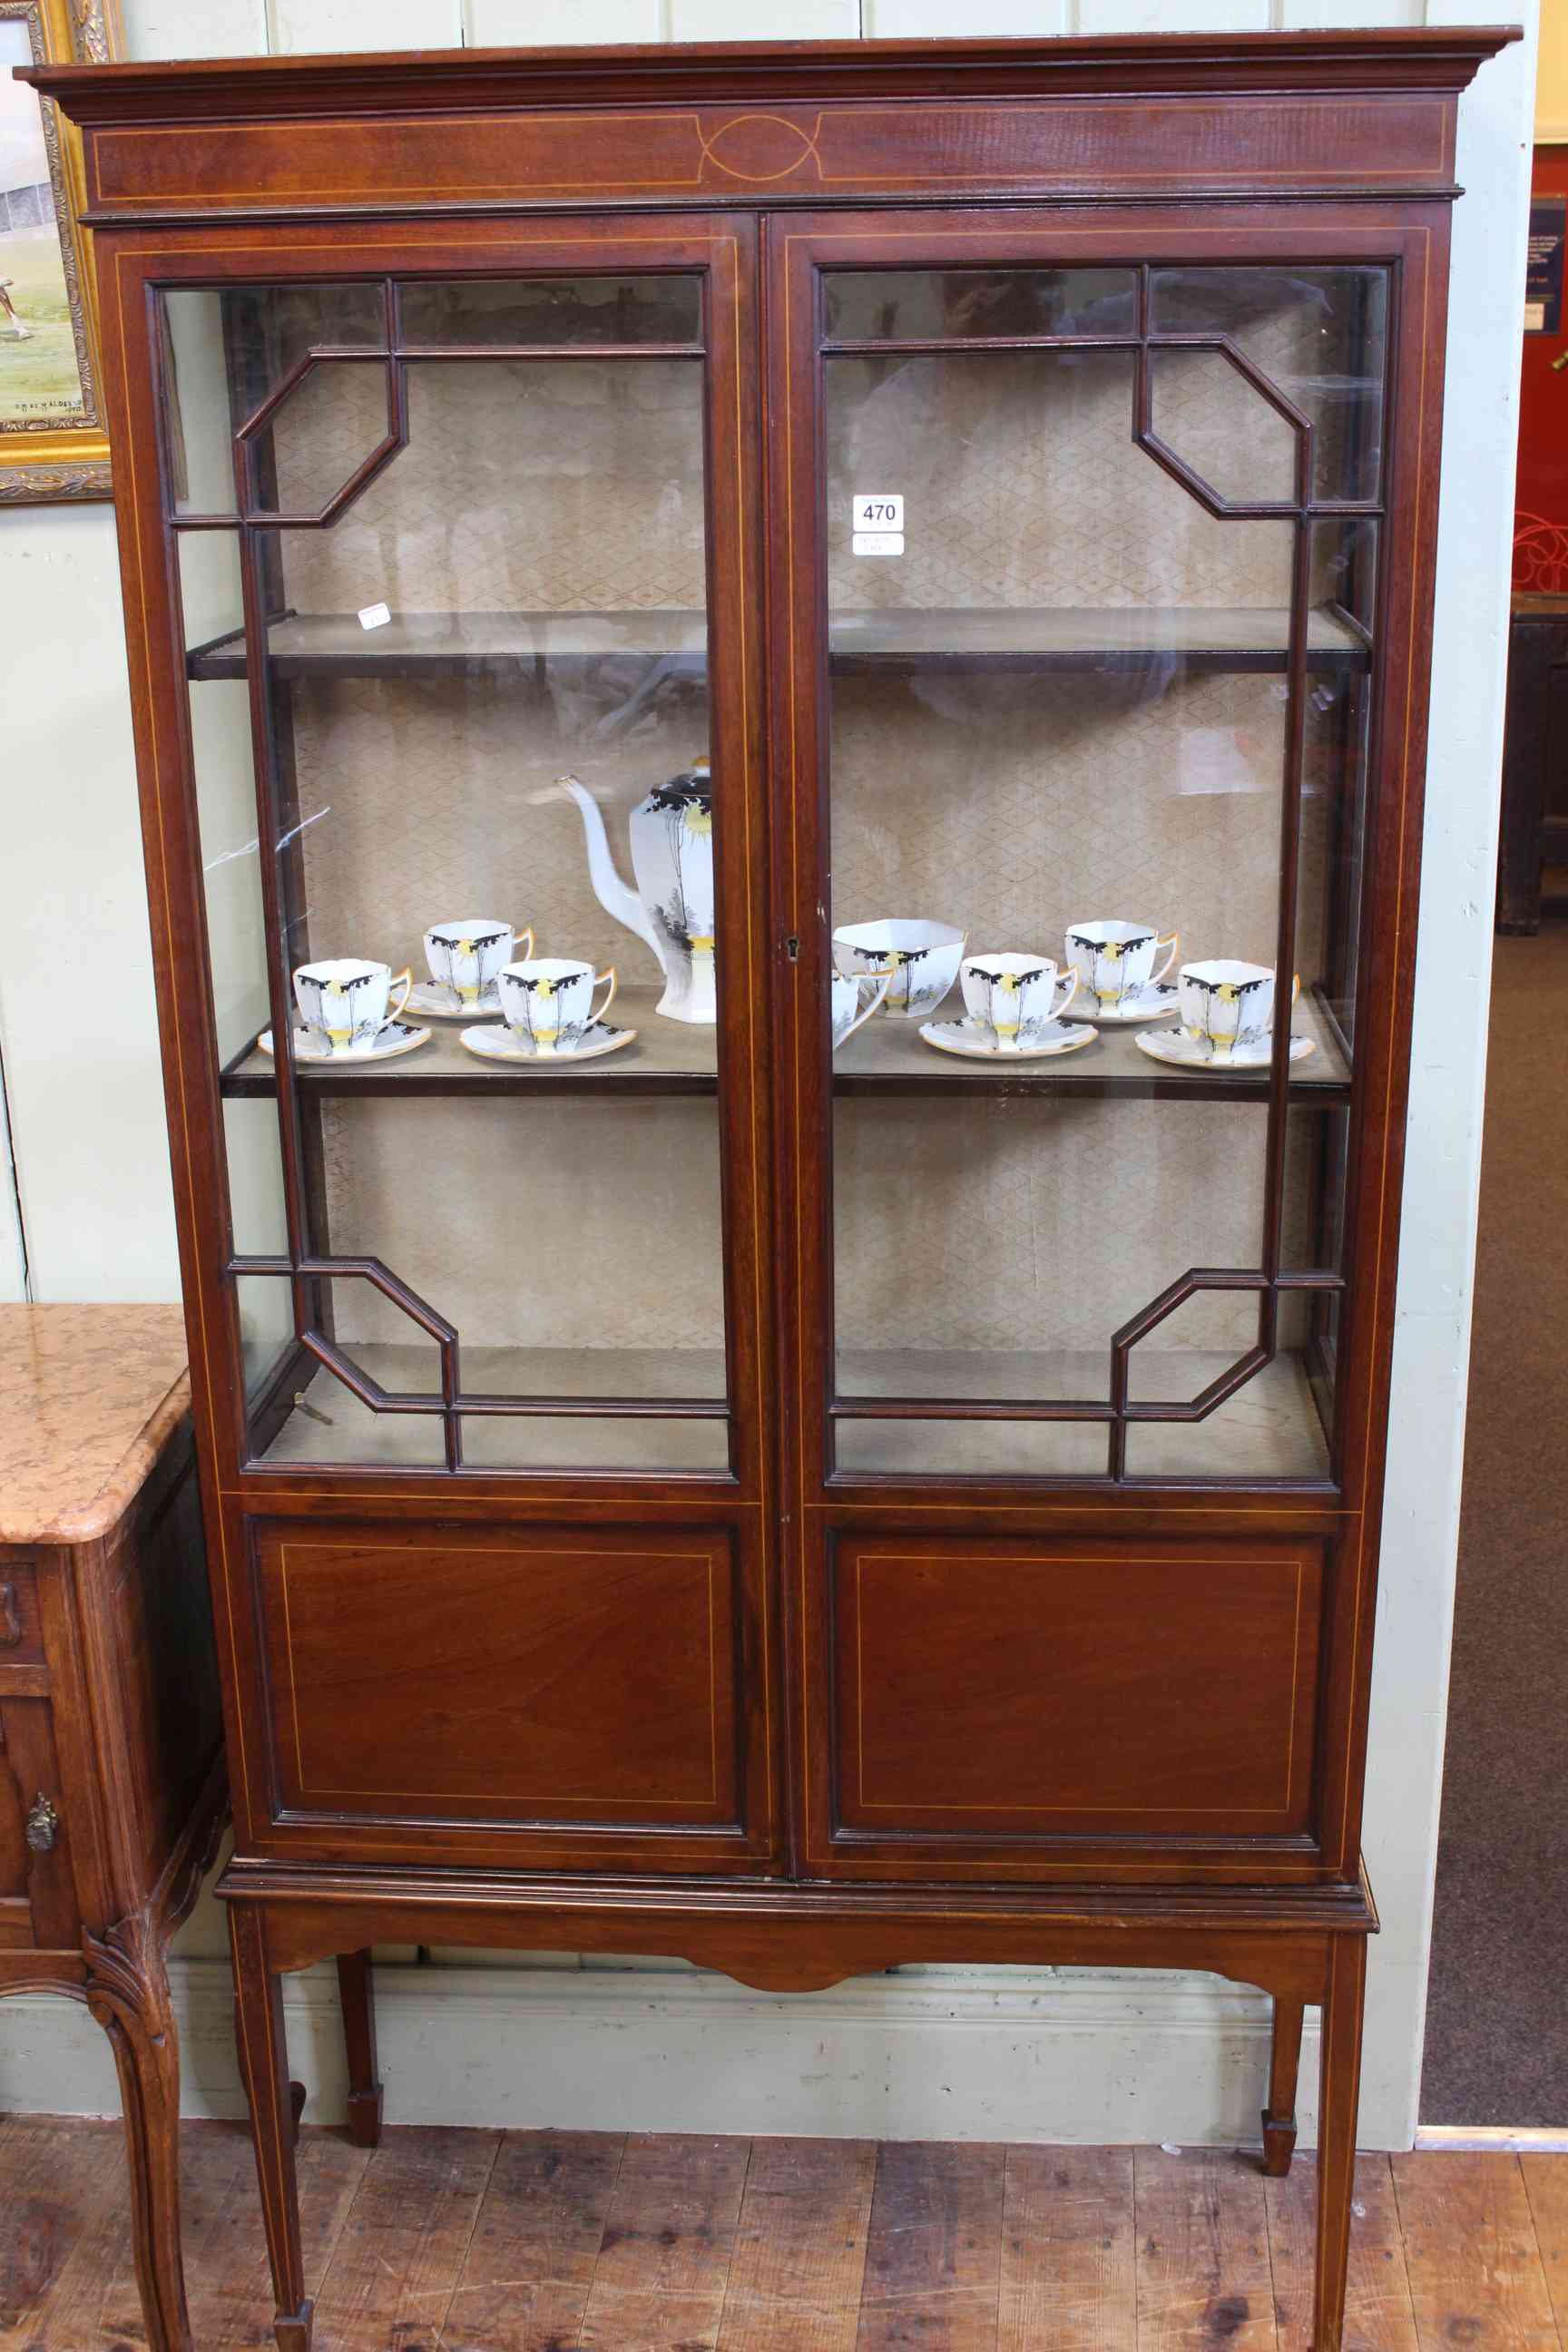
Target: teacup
<point>345,1001</point>
<point>466,954</point>
<point>920,958</point>
<point>548,1001</point>
<point>1114,958</point>
<point>1227,1003</point>
<point>1009,991</point>
<point>856,996</point>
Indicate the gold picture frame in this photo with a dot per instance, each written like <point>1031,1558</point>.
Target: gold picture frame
<point>53,443</point>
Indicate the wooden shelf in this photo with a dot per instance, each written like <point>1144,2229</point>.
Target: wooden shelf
<point>1092,639</point>
<point>1200,637</point>
<point>667,1058</point>
<point>889,1056</point>
<point>885,1058</point>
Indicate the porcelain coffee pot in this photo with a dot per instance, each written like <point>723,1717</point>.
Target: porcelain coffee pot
<point>672,905</point>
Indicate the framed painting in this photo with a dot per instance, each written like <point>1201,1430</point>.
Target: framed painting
<point>52,438</point>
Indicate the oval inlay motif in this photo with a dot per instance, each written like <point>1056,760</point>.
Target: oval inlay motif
<point>758,147</point>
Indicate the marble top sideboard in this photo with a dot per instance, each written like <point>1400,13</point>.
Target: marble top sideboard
<point>89,1396</point>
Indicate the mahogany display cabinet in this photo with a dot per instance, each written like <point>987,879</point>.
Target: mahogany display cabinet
<point>705,1491</point>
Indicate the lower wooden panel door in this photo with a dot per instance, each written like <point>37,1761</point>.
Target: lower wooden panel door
<point>565,1695</point>
<point>1024,1706</point>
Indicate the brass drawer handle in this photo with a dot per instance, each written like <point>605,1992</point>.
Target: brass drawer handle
<point>10,1619</point>
<point>43,1826</point>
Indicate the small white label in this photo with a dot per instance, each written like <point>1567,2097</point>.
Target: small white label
<point>878,542</point>
<point>375,616</point>
<point>875,511</point>
<point>1535,317</point>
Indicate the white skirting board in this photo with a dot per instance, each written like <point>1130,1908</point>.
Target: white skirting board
<point>1083,2056</point>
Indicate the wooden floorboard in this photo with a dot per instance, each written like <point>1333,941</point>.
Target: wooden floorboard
<point>1069,2273</point>
<point>799,2255</point>
<point>585,2242</point>
<point>1378,2312</point>
<point>933,2261</point>
<point>530,2264</point>
<point>64,2217</point>
<point>400,2253</point>
<point>1546,2186</point>
<point>227,2281</point>
<point>664,2260</point>
<point>1476,2275</point>
<point>1204,2274</point>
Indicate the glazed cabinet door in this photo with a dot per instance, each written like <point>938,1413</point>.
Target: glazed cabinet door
<point>1095,595</point>
<point>464,988</point>
<point>462,546</point>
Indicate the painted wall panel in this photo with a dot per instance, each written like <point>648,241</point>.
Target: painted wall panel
<point>502,24</point>
<point>173,28</point>
<point>912,20</point>
<point>297,26</point>
<point>1173,17</point>
<point>77,1020</point>
<point>764,20</point>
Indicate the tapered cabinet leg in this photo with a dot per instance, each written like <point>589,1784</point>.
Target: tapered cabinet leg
<point>128,1993</point>
<point>356,1991</point>
<point>1284,2063</point>
<point>264,2064</point>
<point>1338,2100</point>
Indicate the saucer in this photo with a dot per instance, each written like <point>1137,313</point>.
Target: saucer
<point>501,1045</point>
<point>394,1037</point>
<point>432,1000</point>
<point>1152,1002</point>
<point>1041,1037</point>
<point>1183,1053</point>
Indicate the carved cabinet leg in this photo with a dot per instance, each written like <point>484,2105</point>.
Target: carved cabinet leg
<point>357,1992</point>
<point>264,2064</point>
<point>1338,2101</point>
<point>1284,2063</point>
<point>128,1993</point>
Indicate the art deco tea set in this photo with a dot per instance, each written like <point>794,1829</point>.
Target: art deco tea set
<point>1013,1009</point>
<point>904,966</point>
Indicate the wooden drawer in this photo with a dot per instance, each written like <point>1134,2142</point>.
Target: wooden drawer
<point>21,1635</point>
<point>1003,1697</point>
<point>37,1897</point>
<point>577,1685</point>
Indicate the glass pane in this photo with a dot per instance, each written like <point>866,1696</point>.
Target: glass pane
<point>1217,421</point>
<point>549,1441</point>
<point>333,422</point>
<point>1004,1252</point>
<point>586,310</point>
<point>1319,336</point>
<point>1060,740</point>
<point>1271,1428</point>
<point>997,1449</point>
<point>867,306</point>
<point>519,596</point>
<point>225,350</point>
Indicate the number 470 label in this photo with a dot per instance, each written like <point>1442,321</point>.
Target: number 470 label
<point>876,519</point>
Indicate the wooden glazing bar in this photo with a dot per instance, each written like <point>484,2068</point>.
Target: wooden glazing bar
<point>612,1408</point>
<point>279,978</point>
<point>414,353</point>
<point>927,1408</point>
<point>1280,1090</point>
<point>1202,1405</point>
